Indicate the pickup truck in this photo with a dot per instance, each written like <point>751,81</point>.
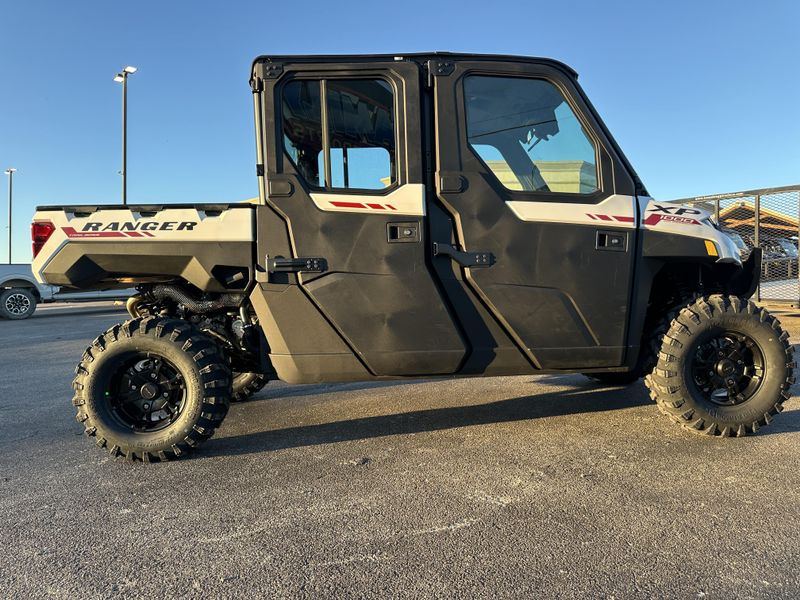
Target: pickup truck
<point>419,215</point>
<point>20,293</point>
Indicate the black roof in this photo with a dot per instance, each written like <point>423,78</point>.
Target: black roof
<point>418,56</point>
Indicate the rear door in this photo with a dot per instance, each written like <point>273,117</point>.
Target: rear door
<point>535,191</point>
<point>345,173</point>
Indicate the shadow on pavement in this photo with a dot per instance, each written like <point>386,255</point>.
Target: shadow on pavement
<point>563,402</point>
<point>273,391</point>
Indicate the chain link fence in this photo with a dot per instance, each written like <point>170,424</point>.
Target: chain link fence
<point>769,218</point>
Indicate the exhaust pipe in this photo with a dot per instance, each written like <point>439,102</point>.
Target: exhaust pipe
<point>176,294</point>
<point>132,305</point>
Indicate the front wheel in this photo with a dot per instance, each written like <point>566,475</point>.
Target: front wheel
<point>725,367</point>
<point>152,389</point>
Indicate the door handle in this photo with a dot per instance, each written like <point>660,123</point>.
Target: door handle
<point>612,240</point>
<point>402,232</point>
<point>279,264</point>
<point>465,259</point>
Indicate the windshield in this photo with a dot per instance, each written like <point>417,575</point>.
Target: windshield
<point>788,247</point>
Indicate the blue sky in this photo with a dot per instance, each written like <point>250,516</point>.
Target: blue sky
<point>703,97</point>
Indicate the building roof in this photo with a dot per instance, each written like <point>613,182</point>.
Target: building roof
<point>742,214</point>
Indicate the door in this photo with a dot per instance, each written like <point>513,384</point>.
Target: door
<point>533,185</point>
<point>345,176</point>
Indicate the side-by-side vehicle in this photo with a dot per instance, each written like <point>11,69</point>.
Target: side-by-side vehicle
<point>418,216</point>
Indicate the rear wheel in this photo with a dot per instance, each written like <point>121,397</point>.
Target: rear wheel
<point>247,384</point>
<point>152,389</point>
<point>17,303</point>
<point>725,367</point>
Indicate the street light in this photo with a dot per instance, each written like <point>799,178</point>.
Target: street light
<point>10,172</point>
<point>122,77</point>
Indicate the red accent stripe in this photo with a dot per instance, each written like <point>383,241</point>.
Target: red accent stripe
<point>604,217</point>
<point>133,234</point>
<point>653,219</point>
<point>624,219</point>
<point>376,206</point>
<point>148,234</point>
<point>389,206</point>
<point>348,204</point>
<point>591,216</point>
<point>72,233</point>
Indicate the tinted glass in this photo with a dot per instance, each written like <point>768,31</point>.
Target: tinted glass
<point>528,135</point>
<point>361,123</point>
<point>361,132</point>
<point>302,128</point>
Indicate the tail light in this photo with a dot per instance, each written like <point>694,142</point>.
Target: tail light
<point>40,233</point>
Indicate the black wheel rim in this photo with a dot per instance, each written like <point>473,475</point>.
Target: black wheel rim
<point>147,392</point>
<point>728,368</point>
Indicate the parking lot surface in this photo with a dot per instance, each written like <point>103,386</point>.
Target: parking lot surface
<point>546,486</point>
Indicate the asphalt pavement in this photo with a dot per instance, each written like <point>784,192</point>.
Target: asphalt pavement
<point>528,487</point>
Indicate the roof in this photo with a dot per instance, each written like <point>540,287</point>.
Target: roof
<point>417,56</point>
<point>742,214</point>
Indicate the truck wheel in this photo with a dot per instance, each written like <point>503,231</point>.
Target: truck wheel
<point>152,389</point>
<point>724,368</point>
<point>247,384</point>
<point>17,303</point>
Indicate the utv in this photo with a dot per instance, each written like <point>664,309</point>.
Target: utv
<point>418,215</point>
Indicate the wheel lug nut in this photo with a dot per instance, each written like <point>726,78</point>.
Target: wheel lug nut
<point>146,406</point>
<point>152,375</point>
<point>165,394</point>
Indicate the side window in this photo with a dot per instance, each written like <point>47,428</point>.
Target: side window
<point>527,134</point>
<point>357,149</point>
<point>302,128</point>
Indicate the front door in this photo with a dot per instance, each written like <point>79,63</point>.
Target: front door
<point>533,186</point>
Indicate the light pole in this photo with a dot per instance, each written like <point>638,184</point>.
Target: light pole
<point>10,172</point>
<point>122,77</point>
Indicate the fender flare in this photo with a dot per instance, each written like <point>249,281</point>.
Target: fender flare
<point>745,281</point>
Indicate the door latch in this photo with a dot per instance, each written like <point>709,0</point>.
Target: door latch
<point>465,259</point>
<point>402,232</point>
<point>612,240</point>
<point>280,264</point>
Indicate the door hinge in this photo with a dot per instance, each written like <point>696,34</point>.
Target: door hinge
<point>451,184</point>
<point>256,84</point>
<point>439,68</point>
<point>465,259</point>
<point>272,70</point>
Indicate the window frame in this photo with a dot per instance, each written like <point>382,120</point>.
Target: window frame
<point>601,152</point>
<point>322,79</point>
